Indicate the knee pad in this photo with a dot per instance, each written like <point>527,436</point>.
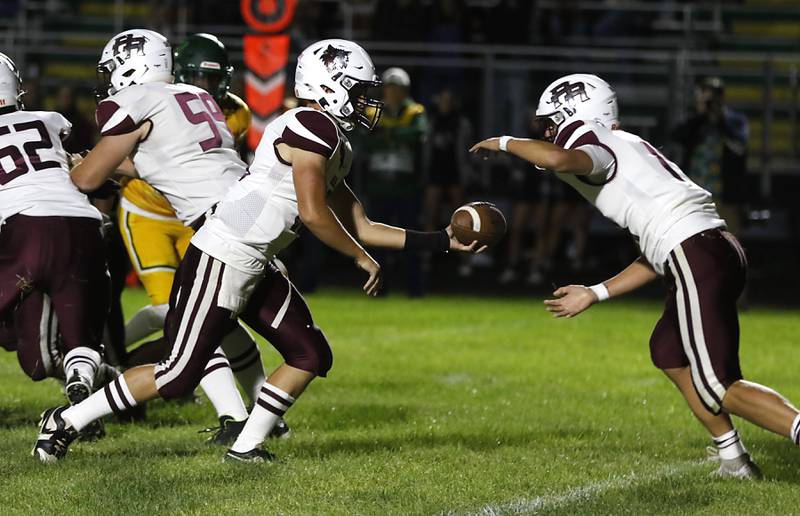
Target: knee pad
<point>314,354</point>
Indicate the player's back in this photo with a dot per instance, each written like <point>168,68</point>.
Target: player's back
<point>34,175</point>
<point>643,192</point>
<point>188,155</point>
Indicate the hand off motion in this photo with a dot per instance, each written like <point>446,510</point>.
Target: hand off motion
<point>571,300</point>
<point>455,245</point>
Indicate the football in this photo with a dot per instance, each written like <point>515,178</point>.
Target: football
<point>480,221</point>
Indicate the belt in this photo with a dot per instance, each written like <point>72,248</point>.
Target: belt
<point>199,221</point>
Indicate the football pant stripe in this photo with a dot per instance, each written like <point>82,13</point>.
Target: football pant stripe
<point>45,326</point>
<point>687,340</point>
<point>188,314</point>
<point>209,294</point>
<point>697,326</point>
<point>282,312</point>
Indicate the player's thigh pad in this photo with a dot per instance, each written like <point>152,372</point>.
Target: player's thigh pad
<point>709,272</point>
<point>279,313</point>
<point>195,324</point>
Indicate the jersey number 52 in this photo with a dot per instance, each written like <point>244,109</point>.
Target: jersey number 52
<point>208,113</point>
<point>30,149</point>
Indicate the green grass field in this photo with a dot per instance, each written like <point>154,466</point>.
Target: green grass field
<point>445,405</point>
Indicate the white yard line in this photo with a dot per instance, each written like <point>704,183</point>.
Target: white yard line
<point>585,493</point>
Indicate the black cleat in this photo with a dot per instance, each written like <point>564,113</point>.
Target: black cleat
<point>54,437</point>
<point>281,430</point>
<point>226,433</point>
<point>254,456</point>
<point>78,390</point>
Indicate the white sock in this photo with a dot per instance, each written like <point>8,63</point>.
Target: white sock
<point>245,359</point>
<point>795,432</point>
<point>83,360</point>
<point>114,397</point>
<point>145,322</point>
<point>220,388</point>
<point>272,403</point>
<point>729,445</point>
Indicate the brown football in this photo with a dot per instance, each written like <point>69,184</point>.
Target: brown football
<point>480,221</point>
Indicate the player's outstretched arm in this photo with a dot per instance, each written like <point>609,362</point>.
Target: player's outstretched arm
<point>542,154</point>
<point>105,159</point>
<point>308,171</point>
<point>574,299</point>
<point>350,211</point>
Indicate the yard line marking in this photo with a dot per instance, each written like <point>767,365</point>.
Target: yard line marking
<point>584,493</point>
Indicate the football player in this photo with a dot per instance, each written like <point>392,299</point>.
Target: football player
<point>179,142</point>
<point>52,257</point>
<point>681,236</point>
<point>156,238</point>
<point>297,177</point>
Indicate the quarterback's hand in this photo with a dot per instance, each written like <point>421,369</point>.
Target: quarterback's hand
<point>455,245</point>
<point>572,300</point>
<point>487,145</point>
<point>371,267</point>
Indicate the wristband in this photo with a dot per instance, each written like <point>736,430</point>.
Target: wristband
<point>502,144</point>
<point>600,291</point>
<point>436,241</point>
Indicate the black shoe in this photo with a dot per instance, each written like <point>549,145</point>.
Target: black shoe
<point>78,389</point>
<point>281,430</point>
<point>254,456</point>
<point>226,433</point>
<point>54,437</point>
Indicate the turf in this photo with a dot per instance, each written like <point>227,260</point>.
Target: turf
<point>443,405</point>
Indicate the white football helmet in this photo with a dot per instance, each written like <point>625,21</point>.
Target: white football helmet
<point>10,83</point>
<point>337,74</point>
<point>135,56</point>
<point>576,97</point>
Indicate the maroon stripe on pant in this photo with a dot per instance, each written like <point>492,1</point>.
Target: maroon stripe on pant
<point>692,343</point>
<point>192,316</point>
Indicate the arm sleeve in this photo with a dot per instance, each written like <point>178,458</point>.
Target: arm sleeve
<point>64,127</point>
<point>311,131</point>
<point>602,160</point>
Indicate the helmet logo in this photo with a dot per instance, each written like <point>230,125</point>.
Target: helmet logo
<point>128,43</point>
<point>566,91</point>
<point>335,58</point>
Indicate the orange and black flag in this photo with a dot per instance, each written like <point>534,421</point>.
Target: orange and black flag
<point>265,56</point>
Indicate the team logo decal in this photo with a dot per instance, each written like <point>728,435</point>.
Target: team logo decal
<point>335,58</point>
<point>567,91</point>
<point>128,44</point>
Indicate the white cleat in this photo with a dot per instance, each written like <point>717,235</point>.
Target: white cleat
<point>742,467</point>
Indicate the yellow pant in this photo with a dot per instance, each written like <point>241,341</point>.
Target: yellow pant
<point>155,247</point>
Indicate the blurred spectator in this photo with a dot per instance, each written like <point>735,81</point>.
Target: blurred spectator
<point>393,184</point>
<point>714,143</point>
<point>81,137</point>
<point>447,157</point>
<point>447,161</point>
